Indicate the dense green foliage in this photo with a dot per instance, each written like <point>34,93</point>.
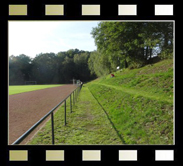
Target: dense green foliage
<point>130,44</point>
<point>50,68</point>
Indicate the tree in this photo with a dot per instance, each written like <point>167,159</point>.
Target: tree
<point>131,44</point>
<point>45,68</point>
<point>98,65</point>
<point>19,69</point>
<point>81,66</point>
<point>50,68</point>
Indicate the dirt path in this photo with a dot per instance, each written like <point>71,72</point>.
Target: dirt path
<point>27,108</point>
<point>139,92</point>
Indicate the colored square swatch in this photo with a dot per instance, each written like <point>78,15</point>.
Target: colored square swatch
<point>91,155</point>
<point>164,155</point>
<point>17,10</point>
<point>127,155</point>
<point>163,10</point>
<point>127,10</point>
<point>54,10</point>
<point>18,155</point>
<point>90,9</point>
<point>54,155</point>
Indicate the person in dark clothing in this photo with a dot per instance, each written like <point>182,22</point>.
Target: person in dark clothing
<point>112,75</point>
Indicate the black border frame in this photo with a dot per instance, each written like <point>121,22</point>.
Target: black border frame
<point>73,153</point>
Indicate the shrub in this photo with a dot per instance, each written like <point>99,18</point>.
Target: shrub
<point>166,54</point>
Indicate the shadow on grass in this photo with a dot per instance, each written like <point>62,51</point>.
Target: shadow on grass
<point>121,138</point>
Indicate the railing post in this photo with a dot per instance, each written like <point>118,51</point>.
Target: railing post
<point>77,94</point>
<point>73,99</point>
<point>52,124</point>
<point>71,103</point>
<point>65,112</point>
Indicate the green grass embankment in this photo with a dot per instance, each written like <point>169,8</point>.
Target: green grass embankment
<point>155,80</point>
<point>139,102</point>
<point>134,107</point>
<point>27,88</point>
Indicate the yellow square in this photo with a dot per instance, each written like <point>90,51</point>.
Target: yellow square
<point>17,9</point>
<point>90,9</point>
<point>18,155</point>
<point>54,10</point>
<point>54,155</point>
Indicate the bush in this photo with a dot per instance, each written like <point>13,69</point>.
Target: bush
<point>135,64</point>
<point>166,54</point>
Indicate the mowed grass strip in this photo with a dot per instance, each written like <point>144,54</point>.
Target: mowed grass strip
<point>139,93</point>
<point>86,125</point>
<point>154,81</point>
<point>27,88</point>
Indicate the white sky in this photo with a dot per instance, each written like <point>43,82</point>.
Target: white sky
<point>35,37</point>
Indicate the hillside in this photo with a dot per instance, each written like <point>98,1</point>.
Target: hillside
<point>134,107</point>
<point>139,102</point>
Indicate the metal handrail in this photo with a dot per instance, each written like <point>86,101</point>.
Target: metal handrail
<point>23,136</point>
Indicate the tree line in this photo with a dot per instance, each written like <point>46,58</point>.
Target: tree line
<point>124,44</point>
<point>50,68</point>
<point>130,45</point>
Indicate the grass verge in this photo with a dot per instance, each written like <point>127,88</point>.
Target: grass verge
<point>86,125</point>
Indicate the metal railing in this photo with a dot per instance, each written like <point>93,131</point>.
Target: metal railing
<point>75,94</point>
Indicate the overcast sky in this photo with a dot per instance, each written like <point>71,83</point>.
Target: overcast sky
<point>35,37</point>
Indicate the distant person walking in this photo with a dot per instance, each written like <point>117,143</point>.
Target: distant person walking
<point>81,84</point>
<point>112,75</point>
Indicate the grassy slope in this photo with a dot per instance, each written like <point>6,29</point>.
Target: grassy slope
<point>26,88</point>
<point>134,107</point>
<point>139,103</point>
<point>156,80</point>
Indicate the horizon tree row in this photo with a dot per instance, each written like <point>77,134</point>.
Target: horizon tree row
<point>50,68</point>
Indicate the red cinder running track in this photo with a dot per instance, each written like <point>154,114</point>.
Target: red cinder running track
<point>25,109</point>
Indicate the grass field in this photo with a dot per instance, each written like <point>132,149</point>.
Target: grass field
<point>26,88</point>
<point>134,107</point>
